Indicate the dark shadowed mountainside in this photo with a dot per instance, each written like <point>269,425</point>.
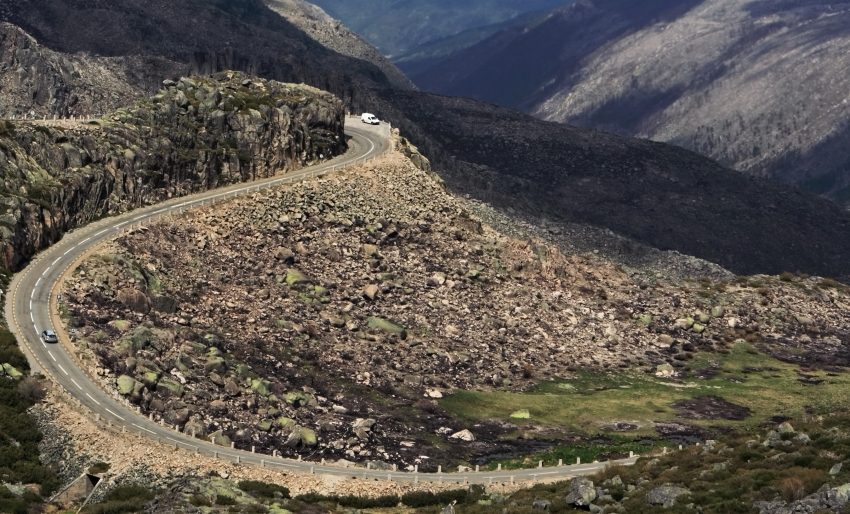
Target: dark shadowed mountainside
<point>417,61</point>
<point>209,35</point>
<point>760,86</point>
<point>656,194</point>
<point>399,27</point>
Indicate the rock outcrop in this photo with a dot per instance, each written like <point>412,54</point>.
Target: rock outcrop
<point>582,493</point>
<point>666,495</point>
<point>195,134</point>
<point>828,499</point>
<point>36,81</point>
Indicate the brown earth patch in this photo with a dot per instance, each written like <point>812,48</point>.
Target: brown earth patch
<point>711,407</point>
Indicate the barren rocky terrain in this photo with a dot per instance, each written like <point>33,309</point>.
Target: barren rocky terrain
<point>328,318</point>
<point>36,81</point>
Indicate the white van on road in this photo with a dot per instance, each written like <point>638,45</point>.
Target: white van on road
<point>370,119</point>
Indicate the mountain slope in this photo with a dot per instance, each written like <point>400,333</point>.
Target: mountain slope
<point>661,195</point>
<point>397,27</point>
<point>208,35</point>
<point>41,82</point>
<point>732,79</point>
<point>655,194</point>
<point>416,61</point>
<point>334,35</point>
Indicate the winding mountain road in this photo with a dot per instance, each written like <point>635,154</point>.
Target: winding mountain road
<point>31,305</point>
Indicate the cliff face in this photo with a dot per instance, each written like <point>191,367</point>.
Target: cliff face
<point>194,135</point>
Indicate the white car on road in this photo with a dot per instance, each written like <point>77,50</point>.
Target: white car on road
<point>370,119</point>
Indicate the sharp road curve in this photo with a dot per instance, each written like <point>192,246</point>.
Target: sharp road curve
<point>31,305</point>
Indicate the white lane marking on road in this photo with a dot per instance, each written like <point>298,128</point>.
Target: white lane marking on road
<point>101,232</point>
<point>51,355</point>
<point>371,147</point>
<point>175,441</point>
<point>121,224</point>
<point>56,261</point>
<point>92,398</point>
<point>116,415</point>
<point>32,318</point>
<point>63,369</point>
<point>76,384</point>
<point>84,241</point>
<point>143,428</point>
<point>30,303</point>
<point>37,283</point>
<point>69,250</point>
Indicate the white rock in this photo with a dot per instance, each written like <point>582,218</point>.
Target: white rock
<point>463,435</point>
<point>433,393</point>
<point>665,371</point>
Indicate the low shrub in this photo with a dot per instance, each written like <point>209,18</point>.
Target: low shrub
<point>427,498</point>
<point>355,502</point>
<point>98,468</point>
<point>221,499</point>
<point>364,502</point>
<point>125,498</point>
<point>263,489</point>
<point>199,500</point>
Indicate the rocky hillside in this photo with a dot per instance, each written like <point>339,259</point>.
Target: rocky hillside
<point>204,36</point>
<point>759,86</point>
<point>327,317</point>
<point>36,81</point>
<point>655,194</point>
<point>193,135</point>
<point>334,35</point>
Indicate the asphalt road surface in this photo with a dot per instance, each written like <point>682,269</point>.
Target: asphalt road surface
<point>32,295</point>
